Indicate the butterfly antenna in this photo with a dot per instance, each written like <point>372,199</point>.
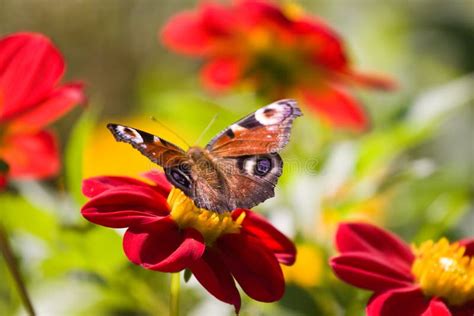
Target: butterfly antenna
<point>154,119</point>
<point>206,129</point>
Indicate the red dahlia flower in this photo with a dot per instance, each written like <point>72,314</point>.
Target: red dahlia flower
<point>434,279</point>
<point>30,99</point>
<point>274,50</point>
<point>168,233</point>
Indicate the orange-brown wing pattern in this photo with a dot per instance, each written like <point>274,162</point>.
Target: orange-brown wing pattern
<point>154,148</point>
<point>265,131</point>
<point>239,182</point>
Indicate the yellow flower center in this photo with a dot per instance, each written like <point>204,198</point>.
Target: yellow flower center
<point>210,224</point>
<point>292,10</point>
<point>259,39</point>
<point>442,270</point>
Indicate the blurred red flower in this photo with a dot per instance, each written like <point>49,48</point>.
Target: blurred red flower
<point>30,99</point>
<point>279,52</point>
<point>167,233</point>
<point>435,279</point>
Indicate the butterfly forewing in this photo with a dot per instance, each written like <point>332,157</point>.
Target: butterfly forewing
<point>154,148</point>
<point>265,131</point>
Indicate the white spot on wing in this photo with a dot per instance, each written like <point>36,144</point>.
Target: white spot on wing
<point>249,165</point>
<point>136,138</point>
<point>280,113</point>
<point>237,128</point>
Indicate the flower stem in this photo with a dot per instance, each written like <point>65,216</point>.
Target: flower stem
<point>7,252</point>
<point>174,294</point>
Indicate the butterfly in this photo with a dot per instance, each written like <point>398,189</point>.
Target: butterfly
<point>238,168</point>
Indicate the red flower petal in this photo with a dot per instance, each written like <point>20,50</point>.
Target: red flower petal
<point>336,106</point>
<point>407,302</point>
<point>96,185</point>
<point>125,206</point>
<point>218,20</point>
<point>272,238</point>
<point>375,242</point>
<point>162,246</point>
<point>364,271</point>
<point>3,182</point>
<point>467,309</point>
<point>258,13</point>
<point>56,105</point>
<point>323,45</point>
<point>254,267</point>
<point>31,156</point>
<point>212,273</point>
<point>185,33</point>
<point>469,244</point>
<point>436,308</point>
<point>30,66</point>
<point>221,74</point>
<point>161,183</point>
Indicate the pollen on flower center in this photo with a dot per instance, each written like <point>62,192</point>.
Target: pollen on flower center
<point>442,270</point>
<point>210,224</point>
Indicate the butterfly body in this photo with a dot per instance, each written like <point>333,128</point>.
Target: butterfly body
<point>239,168</point>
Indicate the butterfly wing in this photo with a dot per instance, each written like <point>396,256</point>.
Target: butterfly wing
<point>239,182</point>
<point>246,157</point>
<point>265,131</point>
<point>154,148</point>
<point>239,167</point>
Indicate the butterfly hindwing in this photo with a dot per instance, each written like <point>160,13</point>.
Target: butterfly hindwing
<point>265,131</point>
<point>154,148</point>
<point>240,182</point>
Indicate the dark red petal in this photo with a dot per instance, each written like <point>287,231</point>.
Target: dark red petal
<point>96,185</point>
<point>31,156</point>
<point>161,183</point>
<point>407,302</point>
<point>221,73</point>
<point>437,308</point>
<point>125,206</point>
<point>272,238</point>
<point>213,274</point>
<point>30,66</point>
<point>469,244</point>
<point>467,309</point>
<point>3,181</point>
<point>375,242</point>
<point>254,267</point>
<point>185,33</point>
<point>162,246</point>
<point>56,105</point>
<point>336,106</point>
<point>368,272</point>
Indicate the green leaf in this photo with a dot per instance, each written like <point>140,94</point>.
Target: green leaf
<point>16,213</point>
<point>74,155</point>
<point>97,250</point>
